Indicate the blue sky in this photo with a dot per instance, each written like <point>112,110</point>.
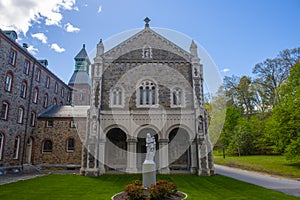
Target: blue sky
<point>237,34</point>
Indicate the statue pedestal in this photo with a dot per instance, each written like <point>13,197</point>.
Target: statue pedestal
<point>149,173</point>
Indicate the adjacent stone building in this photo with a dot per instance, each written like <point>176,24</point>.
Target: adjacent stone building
<point>28,88</point>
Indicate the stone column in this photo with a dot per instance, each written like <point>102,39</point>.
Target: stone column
<point>193,157</point>
<point>101,157</point>
<point>131,156</point>
<point>202,158</point>
<point>163,156</point>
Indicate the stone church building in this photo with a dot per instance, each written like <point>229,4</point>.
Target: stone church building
<point>144,84</point>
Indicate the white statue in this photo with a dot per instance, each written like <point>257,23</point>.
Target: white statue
<point>151,147</point>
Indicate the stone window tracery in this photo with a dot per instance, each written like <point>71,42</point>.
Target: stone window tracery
<point>177,97</point>
<point>147,94</point>
<point>116,99</point>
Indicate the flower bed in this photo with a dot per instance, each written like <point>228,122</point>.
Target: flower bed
<point>163,190</point>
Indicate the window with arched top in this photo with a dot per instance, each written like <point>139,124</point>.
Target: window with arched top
<point>1,145</point>
<point>32,118</point>
<point>70,144</point>
<point>20,116</point>
<point>116,97</point>
<point>4,110</point>
<point>8,82</point>
<point>47,146</point>
<point>45,103</point>
<point>56,87</point>
<point>17,147</point>
<point>23,89</point>
<point>35,95</point>
<point>54,101</point>
<point>147,94</point>
<point>177,97</point>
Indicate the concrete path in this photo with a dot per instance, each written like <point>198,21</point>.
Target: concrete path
<point>287,186</point>
<point>10,178</point>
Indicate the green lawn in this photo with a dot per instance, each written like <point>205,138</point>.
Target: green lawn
<point>73,187</point>
<point>276,165</point>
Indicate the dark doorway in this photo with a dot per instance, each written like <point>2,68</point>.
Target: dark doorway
<point>179,150</point>
<point>116,150</point>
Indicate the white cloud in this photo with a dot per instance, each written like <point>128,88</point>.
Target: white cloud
<point>32,50</point>
<point>76,8</point>
<point>225,70</point>
<point>40,36</point>
<point>57,48</point>
<point>99,9</point>
<point>70,28</point>
<point>21,14</point>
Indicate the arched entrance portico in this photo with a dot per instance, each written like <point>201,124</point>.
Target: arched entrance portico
<point>141,147</point>
<point>116,150</point>
<point>179,150</point>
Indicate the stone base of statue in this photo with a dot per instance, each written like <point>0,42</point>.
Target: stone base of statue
<point>149,173</point>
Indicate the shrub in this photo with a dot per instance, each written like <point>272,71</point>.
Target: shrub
<point>161,190</point>
<point>134,192</point>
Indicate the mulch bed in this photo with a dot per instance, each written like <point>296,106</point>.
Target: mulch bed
<point>123,196</point>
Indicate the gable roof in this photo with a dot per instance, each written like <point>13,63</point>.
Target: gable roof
<point>145,37</point>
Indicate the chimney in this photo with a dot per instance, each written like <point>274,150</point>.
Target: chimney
<point>25,46</point>
<point>44,62</point>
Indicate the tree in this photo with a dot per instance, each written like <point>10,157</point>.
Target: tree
<point>271,73</point>
<point>240,90</point>
<point>285,124</point>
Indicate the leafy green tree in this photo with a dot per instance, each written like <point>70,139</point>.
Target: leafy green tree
<point>284,128</point>
<point>240,90</point>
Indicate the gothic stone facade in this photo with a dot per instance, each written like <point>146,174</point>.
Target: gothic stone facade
<point>146,84</point>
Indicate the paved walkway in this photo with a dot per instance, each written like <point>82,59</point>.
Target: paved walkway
<point>288,186</point>
<point>10,178</point>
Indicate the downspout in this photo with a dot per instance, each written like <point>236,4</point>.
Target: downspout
<point>27,116</point>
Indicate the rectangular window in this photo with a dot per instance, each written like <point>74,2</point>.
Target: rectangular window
<point>73,124</point>
<point>37,75</point>
<point>49,123</point>
<point>4,111</point>
<point>26,67</point>
<point>47,82</point>
<point>56,88</point>
<point>12,57</point>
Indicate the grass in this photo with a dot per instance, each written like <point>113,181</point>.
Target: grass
<point>276,165</point>
<point>75,187</point>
